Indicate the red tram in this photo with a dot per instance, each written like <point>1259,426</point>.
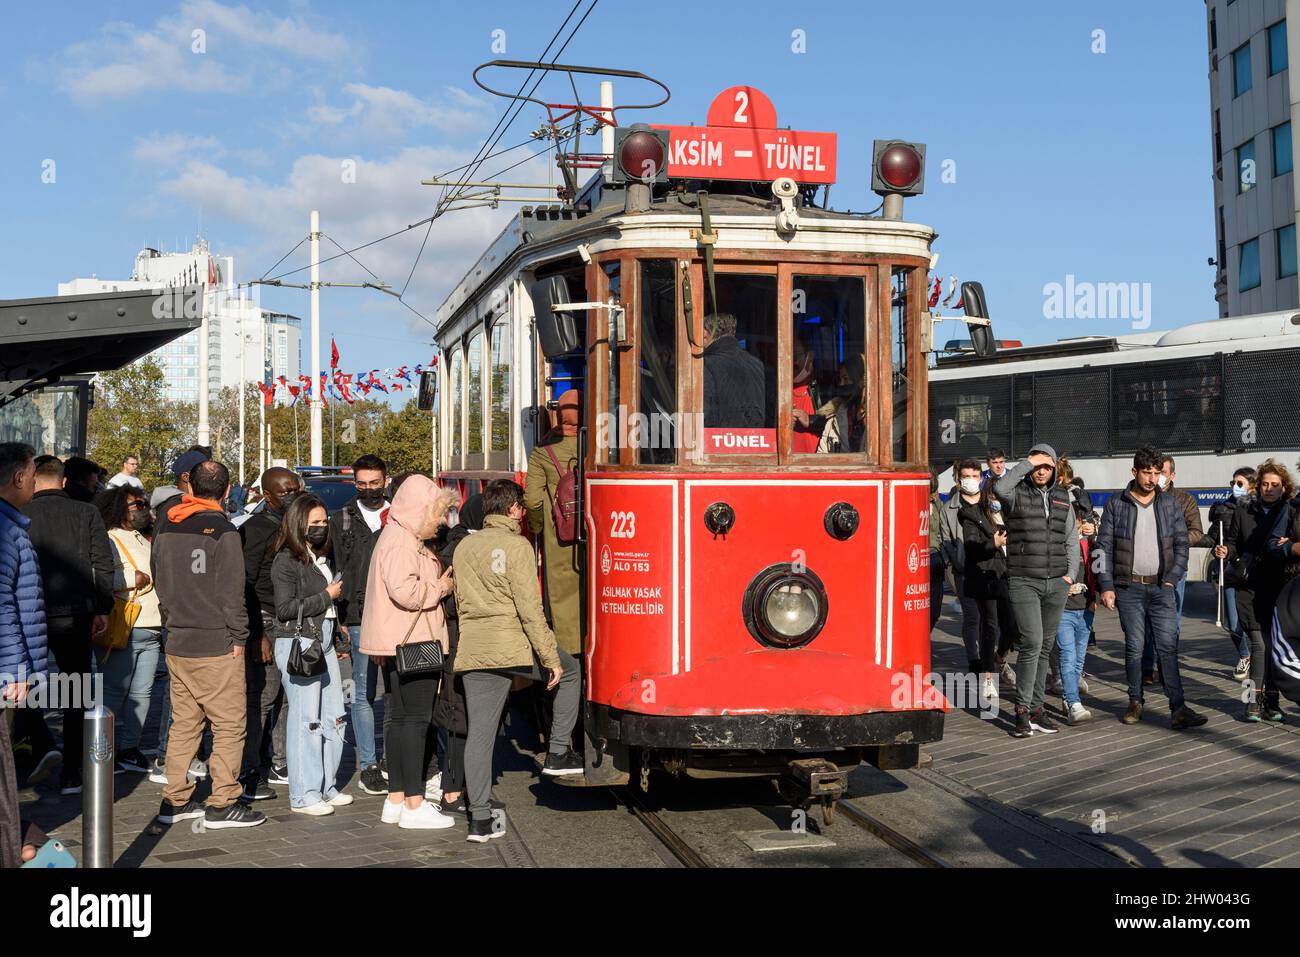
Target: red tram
<point>756,567</point>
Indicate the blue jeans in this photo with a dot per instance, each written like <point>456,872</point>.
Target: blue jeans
<point>1072,639</point>
<point>1149,646</point>
<point>315,728</point>
<point>128,684</point>
<point>364,679</point>
<point>1150,606</point>
<point>1235,631</point>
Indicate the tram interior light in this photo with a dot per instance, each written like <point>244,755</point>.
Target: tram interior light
<point>898,167</point>
<point>640,155</point>
<point>557,332</point>
<point>977,307</point>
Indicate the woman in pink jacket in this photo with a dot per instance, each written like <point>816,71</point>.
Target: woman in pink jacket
<point>404,593</point>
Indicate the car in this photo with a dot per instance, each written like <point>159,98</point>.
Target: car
<point>334,490</point>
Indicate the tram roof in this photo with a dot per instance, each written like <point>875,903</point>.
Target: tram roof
<point>598,203</point>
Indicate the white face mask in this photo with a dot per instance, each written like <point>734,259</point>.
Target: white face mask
<point>970,486</point>
<point>1161,481</point>
<point>1239,491</point>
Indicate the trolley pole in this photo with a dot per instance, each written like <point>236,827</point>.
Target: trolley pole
<point>97,794</point>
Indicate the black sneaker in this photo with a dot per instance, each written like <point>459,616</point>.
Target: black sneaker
<point>255,789</point>
<point>457,806</point>
<point>383,766</point>
<point>70,781</point>
<point>372,782</point>
<point>1023,728</point>
<point>1039,721</point>
<point>131,760</point>
<point>1185,718</point>
<point>559,765</point>
<point>482,831</point>
<point>278,775</point>
<point>1273,709</point>
<point>169,813</point>
<point>235,815</point>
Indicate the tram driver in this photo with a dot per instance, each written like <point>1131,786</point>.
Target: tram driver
<point>735,381</point>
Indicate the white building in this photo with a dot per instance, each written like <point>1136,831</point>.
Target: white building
<point>268,342</point>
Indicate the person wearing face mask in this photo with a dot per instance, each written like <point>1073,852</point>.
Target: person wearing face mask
<point>985,579</point>
<point>1254,548</point>
<point>404,593</point>
<point>305,590</point>
<point>1042,563</point>
<point>1239,491</point>
<point>807,424</point>
<point>965,494</point>
<point>354,529</point>
<point>1141,554</point>
<point>264,682</point>
<point>129,672</point>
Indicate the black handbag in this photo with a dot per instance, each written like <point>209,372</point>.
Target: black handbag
<point>308,662</point>
<point>418,657</point>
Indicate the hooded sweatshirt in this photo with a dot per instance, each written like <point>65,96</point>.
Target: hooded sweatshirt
<point>403,586</point>
<point>198,570</point>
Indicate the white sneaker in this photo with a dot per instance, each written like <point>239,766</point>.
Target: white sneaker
<point>392,812</point>
<point>1078,714</point>
<point>433,789</point>
<point>425,818</point>
<point>1242,671</point>
<point>989,690</point>
<point>1008,674</point>
<point>1083,685</point>
<point>342,800</point>
<point>319,809</point>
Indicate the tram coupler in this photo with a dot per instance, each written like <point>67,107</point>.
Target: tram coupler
<point>821,778</point>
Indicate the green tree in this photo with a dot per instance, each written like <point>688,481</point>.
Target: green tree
<point>404,440</point>
<point>131,417</point>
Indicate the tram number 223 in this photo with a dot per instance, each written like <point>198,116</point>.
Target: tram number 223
<point>925,523</point>
<point>622,524</point>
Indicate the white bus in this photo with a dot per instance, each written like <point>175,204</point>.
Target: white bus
<point>1215,395</point>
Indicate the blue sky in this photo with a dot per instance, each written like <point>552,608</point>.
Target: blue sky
<point>1068,162</point>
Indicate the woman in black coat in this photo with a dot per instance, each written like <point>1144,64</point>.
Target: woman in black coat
<point>985,581</point>
<point>449,707</point>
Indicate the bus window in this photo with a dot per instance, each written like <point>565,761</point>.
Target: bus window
<point>899,350</point>
<point>657,362</point>
<point>501,358</point>
<point>455,395</point>
<point>829,338</point>
<point>740,362</point>
<point>474,428</point>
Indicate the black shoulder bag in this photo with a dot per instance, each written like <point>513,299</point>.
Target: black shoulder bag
<point>307,662</point>
<point>419,657</point>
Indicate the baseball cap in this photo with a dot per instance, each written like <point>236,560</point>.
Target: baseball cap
<point>1044,449</point>
<point>187,463</point>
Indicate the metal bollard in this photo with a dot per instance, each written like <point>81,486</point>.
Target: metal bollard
<point>97,789</point>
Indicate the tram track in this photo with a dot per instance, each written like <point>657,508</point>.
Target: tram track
<point>689,857</point>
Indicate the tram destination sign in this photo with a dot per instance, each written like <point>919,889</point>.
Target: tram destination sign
<point>742,141</point>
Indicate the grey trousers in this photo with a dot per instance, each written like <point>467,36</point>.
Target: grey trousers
<point>485,697</point>
<point>1037,604</point>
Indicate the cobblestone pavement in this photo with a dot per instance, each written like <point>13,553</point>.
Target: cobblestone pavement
<point>1223,795</point>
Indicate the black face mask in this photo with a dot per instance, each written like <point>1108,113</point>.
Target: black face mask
<point>287,499</point>
<point>371,498</point>
<point>140,519</point>
<point>316,535</point>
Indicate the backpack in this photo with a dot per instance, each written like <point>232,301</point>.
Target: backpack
<point>564,507</point>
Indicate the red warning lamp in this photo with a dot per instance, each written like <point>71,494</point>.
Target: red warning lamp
<point>640,155</point>
<point>898,167</point>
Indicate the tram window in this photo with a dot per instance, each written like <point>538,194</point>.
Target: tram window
<point>474,427</point>
<point>657,362</point>
<point>501,385</point>
<point>829,338</point>
<point>899,349</point>
<point>740,355</point>
<point>456,404</point>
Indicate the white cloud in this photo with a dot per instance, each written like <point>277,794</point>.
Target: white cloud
<point>168,151</point>
<point>126,60</point>
<point>381,112</point>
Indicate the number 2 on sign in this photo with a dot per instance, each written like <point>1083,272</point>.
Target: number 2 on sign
<point>925,523</point>
<point>622,524</point>
<point>742,104</point>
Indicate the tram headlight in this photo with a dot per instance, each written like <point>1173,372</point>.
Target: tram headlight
<point>785,607</point>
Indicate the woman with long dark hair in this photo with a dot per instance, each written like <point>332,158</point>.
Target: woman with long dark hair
<point>985,581</point>
<point>306,588</point>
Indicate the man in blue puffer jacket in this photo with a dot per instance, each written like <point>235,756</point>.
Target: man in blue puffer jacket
<point>22,627</point>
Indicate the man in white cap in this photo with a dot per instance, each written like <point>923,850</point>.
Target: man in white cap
<point>1042,562</point>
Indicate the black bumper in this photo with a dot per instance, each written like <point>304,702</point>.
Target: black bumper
<point>767,732</point>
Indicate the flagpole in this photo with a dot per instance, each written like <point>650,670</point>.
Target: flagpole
<point>315,399</point>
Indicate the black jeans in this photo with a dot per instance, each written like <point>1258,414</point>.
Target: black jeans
<point>69,639</point>
<point>408,709</point>
<point>266,710</point>
<point>453,775</point>
<point>936,587</point>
